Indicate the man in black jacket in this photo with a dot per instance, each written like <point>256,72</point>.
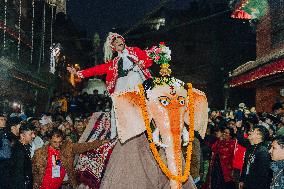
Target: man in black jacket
<point>5,154</point>
<point>256,172</point>
<point>21,158</point>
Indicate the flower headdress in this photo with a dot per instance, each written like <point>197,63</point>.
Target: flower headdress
<point>161,55</point>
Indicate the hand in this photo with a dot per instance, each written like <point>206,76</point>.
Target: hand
<point>72,70</point>
<point>241,185</point>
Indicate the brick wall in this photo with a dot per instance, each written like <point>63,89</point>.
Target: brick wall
<point>263,37</point>
<point>266,97</point>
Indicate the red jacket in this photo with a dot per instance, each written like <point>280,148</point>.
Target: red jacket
<point>239,156</point>
<point>110,68</point>
<point>225,149</point>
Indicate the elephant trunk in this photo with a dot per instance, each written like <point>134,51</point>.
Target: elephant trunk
<point>174,151</point>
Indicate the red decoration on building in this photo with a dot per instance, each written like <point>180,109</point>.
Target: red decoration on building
<point>261,72</point>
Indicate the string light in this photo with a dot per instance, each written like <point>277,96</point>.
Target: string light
<point>19,24</point>
<point>51,25</point>
<point>43,35</point>
<point>52,58</point>
<point>5,24</point>
<point>33,16</point>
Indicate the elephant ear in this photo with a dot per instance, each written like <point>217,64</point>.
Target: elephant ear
<point>128,115</point>
<point>200,112</point>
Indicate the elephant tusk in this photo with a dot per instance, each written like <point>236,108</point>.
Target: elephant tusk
<point>156,139</point>
<point>185,136</point>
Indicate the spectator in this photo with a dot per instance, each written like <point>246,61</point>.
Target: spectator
<point>278,109</point>
<point>94,99</point>
<point>222,161</point>
<point>80,127</point>
<point>52,162</point>
<point>240,115</point>
<point>195,160</point>
<point>277,155</point>
<point>5,154</point>
<point>13,124</point>
<point>21,159</point>
<point>256,170</point>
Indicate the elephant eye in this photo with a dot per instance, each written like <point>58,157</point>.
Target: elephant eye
<point>181,100</point>
<point>164,100</point>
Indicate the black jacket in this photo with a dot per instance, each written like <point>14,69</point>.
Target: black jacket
<point>256,172</point>
<point>21,166</point>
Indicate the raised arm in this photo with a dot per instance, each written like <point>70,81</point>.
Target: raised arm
<point>96,70</point>
<point>79,148</point>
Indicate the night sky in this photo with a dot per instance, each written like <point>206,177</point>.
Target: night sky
<point>102,15</point>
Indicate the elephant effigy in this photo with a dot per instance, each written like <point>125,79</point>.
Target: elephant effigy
<point>167,104</point>
<point>153,121</point>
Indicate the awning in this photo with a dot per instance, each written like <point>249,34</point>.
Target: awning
<point>266,70</point>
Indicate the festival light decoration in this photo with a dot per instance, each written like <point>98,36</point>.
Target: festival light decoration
<point>19,29</point>
<point>5,24</point>
<point>32,32</point>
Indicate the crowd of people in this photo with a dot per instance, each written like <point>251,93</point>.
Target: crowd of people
<point>80,103</point>
<point>242,149</point>
<point>30,149</point>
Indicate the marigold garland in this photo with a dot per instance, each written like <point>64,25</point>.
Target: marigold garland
<point>152,145</point>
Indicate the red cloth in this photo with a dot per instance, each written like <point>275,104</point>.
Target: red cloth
<point>49,182</point>
<point>239,156</point>
<point>110,68</point>
<point>225,149</point>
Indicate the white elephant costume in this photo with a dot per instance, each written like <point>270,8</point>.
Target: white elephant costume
<point>165,102</point>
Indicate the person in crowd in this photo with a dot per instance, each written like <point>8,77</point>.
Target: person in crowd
<point>94,99</point>
<point>21,168</point>
<point>63,104</point>
<point>278,109</point>
<point>107,106</point>
<point>13,124</point>
<point>73,105</point>
<point>222,161</point>
<point>45,127</point>
<point>80,126</point>
<point>206,154</point>
<point>256,173</point>
<point>195,159</point>
<point>238,161</point>
<point>37,142</point>
<point>5,154</point>
<point>277,166</point>
<point>53,162</point>
<point>240,115</point>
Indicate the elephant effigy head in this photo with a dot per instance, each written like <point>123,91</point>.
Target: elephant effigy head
<point>169,111</point>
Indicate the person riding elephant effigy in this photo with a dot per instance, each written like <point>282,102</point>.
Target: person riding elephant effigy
<point>151,131</point>
<point>149,119</point>
<point>125,67</point>
<point>123,72</point>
